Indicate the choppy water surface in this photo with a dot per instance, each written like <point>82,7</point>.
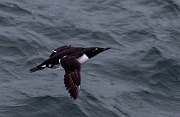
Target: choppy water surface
<point>139,77</point>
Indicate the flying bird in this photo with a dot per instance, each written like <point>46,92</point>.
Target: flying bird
<point>70,58</point>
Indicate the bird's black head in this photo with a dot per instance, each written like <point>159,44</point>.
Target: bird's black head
<point>93,51</point>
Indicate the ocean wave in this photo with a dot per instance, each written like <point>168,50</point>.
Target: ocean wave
<point>138,76</point>
<point>38,106</point>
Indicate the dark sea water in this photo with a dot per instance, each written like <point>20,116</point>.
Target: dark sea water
<point>138,77</point>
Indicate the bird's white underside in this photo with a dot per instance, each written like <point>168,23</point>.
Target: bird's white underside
<point>83,58</point>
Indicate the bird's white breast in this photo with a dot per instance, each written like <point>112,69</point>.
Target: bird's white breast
<point>83,58</point>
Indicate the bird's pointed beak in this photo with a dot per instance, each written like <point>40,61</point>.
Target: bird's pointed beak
<point>107,48</point>
<point>103,49</point>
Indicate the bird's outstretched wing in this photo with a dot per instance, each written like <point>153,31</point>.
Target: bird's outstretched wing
<point>60,49</point>
<point>72,77</point>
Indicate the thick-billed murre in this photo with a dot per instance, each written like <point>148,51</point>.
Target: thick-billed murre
<point>70,58</point>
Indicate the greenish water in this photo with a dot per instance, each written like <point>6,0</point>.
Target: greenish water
<point>138,77</point>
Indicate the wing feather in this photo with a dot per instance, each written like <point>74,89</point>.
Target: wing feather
<point>72,77</point>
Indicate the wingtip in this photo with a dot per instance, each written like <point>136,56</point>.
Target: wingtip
<point>74,98</point>
<point>33,70</point>
<point>74,94</point>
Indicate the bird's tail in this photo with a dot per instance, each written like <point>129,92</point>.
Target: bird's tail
<point>36,69</point>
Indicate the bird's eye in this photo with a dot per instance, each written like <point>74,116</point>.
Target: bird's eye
<point>95,49</point>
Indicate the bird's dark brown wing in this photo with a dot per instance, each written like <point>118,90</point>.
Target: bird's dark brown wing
<point>60,49</point>
<point>72,78</point>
